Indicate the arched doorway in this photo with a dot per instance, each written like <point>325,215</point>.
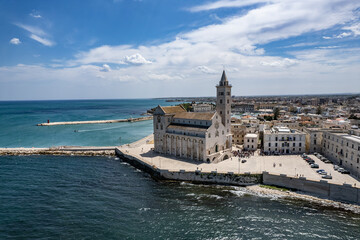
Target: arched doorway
<point>225,157</point>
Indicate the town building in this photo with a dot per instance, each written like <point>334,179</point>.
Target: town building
<point>343,149</point>
<point>313,140</point>
<point>251,142</point>
<point>201,136</point>
<point>283,140</point>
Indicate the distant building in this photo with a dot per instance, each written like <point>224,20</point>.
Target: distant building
<point>251,142</point>
<point>202,107</point>
<point>313,140</point>
<point>201,136</point>
<point>284,141</point>
<point>242,107</point>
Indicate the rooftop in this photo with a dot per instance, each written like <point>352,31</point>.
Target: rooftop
<point>173,109</point>
<point>195,115</point>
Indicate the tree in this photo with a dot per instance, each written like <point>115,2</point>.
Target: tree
<point>319,110</point>
<point>276,113</point>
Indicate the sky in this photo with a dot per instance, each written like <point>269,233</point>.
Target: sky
<point>114,49</point>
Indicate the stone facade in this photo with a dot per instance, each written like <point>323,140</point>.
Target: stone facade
<point>343,149</point>
<point>201,136</point>
<point>284,141</point>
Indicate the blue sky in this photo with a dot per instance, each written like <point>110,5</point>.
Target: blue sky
<point>151,48</point>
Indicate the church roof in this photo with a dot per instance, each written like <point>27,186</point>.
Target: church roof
<point>190,128</point>
<point>195,115</point>
<point>173,109</point>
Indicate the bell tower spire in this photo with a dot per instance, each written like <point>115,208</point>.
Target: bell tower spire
<point>223,102</point>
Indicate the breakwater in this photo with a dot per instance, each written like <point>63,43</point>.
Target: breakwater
<point>61,150</point>
<point>96,121</point>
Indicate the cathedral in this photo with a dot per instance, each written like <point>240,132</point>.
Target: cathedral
<point>200,136</point>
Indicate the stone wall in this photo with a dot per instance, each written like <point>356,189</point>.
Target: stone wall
<point>345,192</point>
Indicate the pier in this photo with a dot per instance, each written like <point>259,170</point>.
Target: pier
<point>96,121</point>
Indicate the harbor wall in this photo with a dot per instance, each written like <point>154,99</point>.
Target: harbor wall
<point>192,176</point>
<point>345,192</point>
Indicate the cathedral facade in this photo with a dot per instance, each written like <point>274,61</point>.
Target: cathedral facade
<point>201,136</point>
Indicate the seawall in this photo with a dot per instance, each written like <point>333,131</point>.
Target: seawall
<point>191,176</point>
<point>96,121</point>
<point>344,193</point>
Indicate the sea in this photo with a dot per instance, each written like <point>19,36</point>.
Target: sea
<point>81,197</point>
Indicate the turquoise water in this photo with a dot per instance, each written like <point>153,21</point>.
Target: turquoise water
<point>53,197</point>
<point>18,121</point>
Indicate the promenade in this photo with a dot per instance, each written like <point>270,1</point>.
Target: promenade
<point>290,165</point>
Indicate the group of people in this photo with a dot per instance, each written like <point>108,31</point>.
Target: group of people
<point>243,153</point>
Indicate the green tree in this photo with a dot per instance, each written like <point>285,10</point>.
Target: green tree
<point>276,113</point>
<point>319,110</point>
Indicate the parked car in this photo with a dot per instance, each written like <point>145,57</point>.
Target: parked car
<point>243,161</point>
<point>340,169</point>
<point>314,165</point>
<point>323,173</point>
<point>327,161</point>
<point>345,171</point>
<point>327,176</point>
<point>320,170</point>
<point>336,167</point>
<point>310,161</point>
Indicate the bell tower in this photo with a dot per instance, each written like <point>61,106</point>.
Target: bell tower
<point>223,102</point>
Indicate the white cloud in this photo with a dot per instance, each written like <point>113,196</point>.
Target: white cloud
<point>35,15</point>
<point>354,28</point>
<point>341,35</point>
<point>37,34</point>
<point>206,69</point>
<point>225,4</point>
<point>32,29</point>
<point>285,62</point>
<point>15,41</point>
<point>136,59</point>
<point>105,68</point>
<point>41,40</point>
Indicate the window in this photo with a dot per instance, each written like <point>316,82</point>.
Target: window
<point>227,101</point>
<point>220,101</point>
<point>294,138</point>
<point>299,144</point>
<point>209,135</point>
<point>228,93</point>
<point>220,112</point>
<point>223,132</point>
<point>276,138</point>
<point>221,93</point>
<point>269,144</point>
<point>293,144</point>
<point>248,140</point>
<point>276,144</point>
<point>252,140</point>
